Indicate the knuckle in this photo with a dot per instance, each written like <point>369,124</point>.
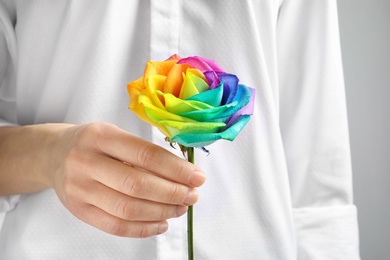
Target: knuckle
<point>99,127</point>
<point>145,231</point>
<point>115,227</point>
<point>77,164</point>
<point>96,133</point>
<point>175,194</point>
<point>91,131</point>
<point>128,183</point>
<point>182,171</point>
<point>121,208</point>
<point>135,185</point>
<point>164,214</point>
<point>148,155</point>
<point>128,210</point>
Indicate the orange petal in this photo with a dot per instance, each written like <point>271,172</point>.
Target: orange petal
<point>175,79</point>
<point>158,68</point>
<point>174,57</point>
<point>134,88</point>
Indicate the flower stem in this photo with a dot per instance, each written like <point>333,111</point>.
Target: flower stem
<point>190,233</point>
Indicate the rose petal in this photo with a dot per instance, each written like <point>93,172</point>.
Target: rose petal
<point>207,115</point>
<point>157,114</point>
<point>178,106</point>
<point>222,113</point>
<point>201,140</point>
<point>246,110</point>
<point>175,79</point>
<point>174,128</point>
<point>212,97</point>
<point>201,64</point>
<point>154,85</point>
<point>212,79</point>
<point>230,87</point>
<point>192,84</point>
<point>174,57</point>
<point>158,68</point>
<point>135,89</point>
<point>241,99</point>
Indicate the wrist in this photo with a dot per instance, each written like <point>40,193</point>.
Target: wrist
<point>28,157</point>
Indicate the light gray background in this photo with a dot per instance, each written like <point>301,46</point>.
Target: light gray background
<point>365,40</point>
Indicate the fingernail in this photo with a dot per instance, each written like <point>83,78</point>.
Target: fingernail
<point>197,178</point>
<point>162,227</point>
<point>191,198</point>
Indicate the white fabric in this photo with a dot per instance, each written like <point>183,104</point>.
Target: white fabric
<point>281,190</point>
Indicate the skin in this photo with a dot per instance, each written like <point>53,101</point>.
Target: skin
<point>106,177</point>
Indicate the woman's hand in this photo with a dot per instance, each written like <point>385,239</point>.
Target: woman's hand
<point>109,178</point>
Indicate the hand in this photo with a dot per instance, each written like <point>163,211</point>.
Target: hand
<point>120,183</point>
<point>111,179</point>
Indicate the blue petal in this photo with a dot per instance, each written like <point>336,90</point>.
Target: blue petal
<point>230,87</point>
<point>211,97</point>
<point>241,99</point>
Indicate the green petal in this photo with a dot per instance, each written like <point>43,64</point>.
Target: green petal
<point>211,113</point>
<point>201,140</point>
<point>191,128</point>
<point>179,106</point>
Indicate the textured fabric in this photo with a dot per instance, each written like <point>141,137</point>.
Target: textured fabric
<point>281,190</point>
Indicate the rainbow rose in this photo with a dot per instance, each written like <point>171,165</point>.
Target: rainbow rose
<point>192,101</point>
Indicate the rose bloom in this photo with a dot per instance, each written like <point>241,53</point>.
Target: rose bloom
<point>192,101</point>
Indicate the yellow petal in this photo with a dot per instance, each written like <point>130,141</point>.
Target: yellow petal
<point>156,84</point>
<point>197,73</point>
<point>134,89</point>
<point>156,114</point>
<point>193,84</point>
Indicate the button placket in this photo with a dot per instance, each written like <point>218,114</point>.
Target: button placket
<point>165,22</point>
<point>164,41</point>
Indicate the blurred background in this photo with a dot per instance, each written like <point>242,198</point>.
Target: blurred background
<point>365,41</point>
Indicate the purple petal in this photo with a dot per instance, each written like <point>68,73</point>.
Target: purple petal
<point>212,79</point>
<point>201,64</point>
<point>246,110</point>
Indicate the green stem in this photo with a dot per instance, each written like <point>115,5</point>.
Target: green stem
<point>190,232</point>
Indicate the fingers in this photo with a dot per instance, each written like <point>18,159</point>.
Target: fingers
<point>130,208</point>
<point>142,154</point>
<point>140,184</point>
<point>120,227</point>
<point>141,214</point>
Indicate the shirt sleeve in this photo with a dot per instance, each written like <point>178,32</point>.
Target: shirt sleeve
<point>313,122</point>
<point>8,63</point>
<point>7,82</point>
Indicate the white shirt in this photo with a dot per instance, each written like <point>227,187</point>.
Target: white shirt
<point>281,190</point>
